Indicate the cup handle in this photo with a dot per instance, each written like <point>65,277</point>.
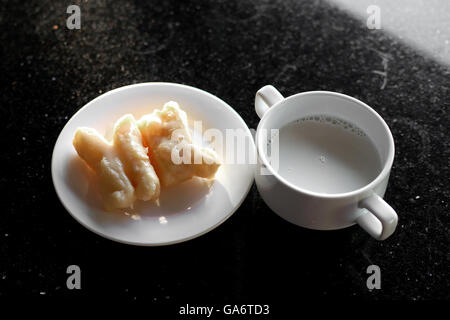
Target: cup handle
<point>265,98</point>
<point>380,220</point>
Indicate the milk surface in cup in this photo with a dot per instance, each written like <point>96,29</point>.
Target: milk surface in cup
<point>327,155</point>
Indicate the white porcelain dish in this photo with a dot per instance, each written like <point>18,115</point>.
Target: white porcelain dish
<point>185,211</point>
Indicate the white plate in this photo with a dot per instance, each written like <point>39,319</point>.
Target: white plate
<point>186,211</point>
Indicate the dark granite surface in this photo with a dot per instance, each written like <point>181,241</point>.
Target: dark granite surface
<point>231,49</point>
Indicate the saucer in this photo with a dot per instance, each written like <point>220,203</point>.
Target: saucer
<point>185,211</point>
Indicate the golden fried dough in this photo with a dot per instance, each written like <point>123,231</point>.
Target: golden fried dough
<point>166,133</point>
<point>123,168</point>
<point>128,143</point>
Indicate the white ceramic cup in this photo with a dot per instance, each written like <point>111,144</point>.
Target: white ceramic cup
<point>322,211</point>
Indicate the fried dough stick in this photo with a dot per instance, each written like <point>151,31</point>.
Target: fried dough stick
<point>166,132</point>
<point>123,169</point>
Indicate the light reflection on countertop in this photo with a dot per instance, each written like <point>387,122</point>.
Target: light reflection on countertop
<point>423,25</point>
<point>162,220</point>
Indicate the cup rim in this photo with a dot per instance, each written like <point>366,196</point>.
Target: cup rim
<point>382,175</point>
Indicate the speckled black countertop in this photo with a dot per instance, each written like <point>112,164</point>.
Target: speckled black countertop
<point>231,49</point>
